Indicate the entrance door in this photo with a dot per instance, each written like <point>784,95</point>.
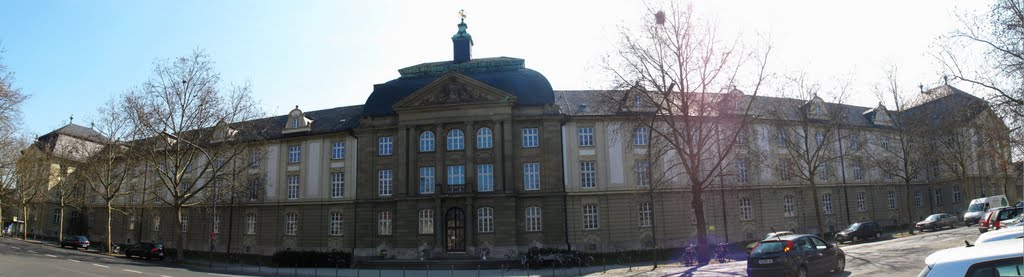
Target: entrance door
<point>455,226</point>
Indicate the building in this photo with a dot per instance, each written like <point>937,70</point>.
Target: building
<point>474,157</point>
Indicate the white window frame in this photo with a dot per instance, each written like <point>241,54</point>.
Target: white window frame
<point>956,194</point>
<point>917,199</point>
<point>254,159</point>
<point>641,136</point>
<point>742,171</point>
<point>485,177</point>
<point>293,187</point>
<point>586,136</point>
<point>156,223</point>
<point>427,179</point>
<point>216,223</point>
<point>937,195</point>
<point>823,171</point>
<point>588,174</point>
<point>485,220</point>
<point>883,141</point>
<point>184,222</point>
<point>855,142</point>
<point>789,205</point>
<point>644,209</point>
<point>250,224</point>
<point>294,154</point>
<point>590,217</point>
<point>826,203</point>
<point>427,141</point>
<point>858,170</point>
<point>385,178</point>
<point>337,185</point>
<point>861,201</point>
<point>533,219</point>
<point>819,137</point>
<point>746,209</point>
<point>385,146</point>
<point>455,140</point>
<point>484,138</point>
<point>531,137</point>
<point>291,224</point>
<point>131,222</point>
<point>384,223</point>
<point>641,168</point>
<point>892,199</point>
<point>338,150</point>
<point>335,224</point>
<point>531,176</point>
<point>456,175</point>
<point>426,222</point>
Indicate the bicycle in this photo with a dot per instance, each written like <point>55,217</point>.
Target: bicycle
<point>720,252</point>
<point>690,255</point>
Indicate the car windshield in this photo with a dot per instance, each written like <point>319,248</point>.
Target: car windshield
<point>976,207</point>
<point>853,226</point>
<point>769,247</point>
<point>933,217</point>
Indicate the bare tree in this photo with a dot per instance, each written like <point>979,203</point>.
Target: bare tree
<point>809,135</point>
<point>11,98</point>
<point>11,143</point>
<point>10,146</point>
<point>671,69</point>
<point>194,132</point>
<point>33,175</point>
<point>106,172</point>
<point>900,153</point>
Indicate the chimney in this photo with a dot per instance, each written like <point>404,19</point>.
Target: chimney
<point>462,43</point>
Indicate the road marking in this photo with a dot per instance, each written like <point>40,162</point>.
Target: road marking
<point>73,260</point>
<point>33,252</point>
<point>215,274</point>
<point>51,256</point>
<point>165,275</point>
<point>104,266</point>
<point>135,271</point>
<point>15,247</point>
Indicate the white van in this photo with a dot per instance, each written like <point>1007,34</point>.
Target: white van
<point>979,206</point>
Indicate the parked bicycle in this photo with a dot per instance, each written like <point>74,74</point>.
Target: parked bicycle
<point>721,250</point>
<point>689,255</point>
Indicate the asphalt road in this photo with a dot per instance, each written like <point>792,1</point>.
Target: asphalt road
<point>22,258</point>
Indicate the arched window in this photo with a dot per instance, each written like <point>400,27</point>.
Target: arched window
<point>484,139</point>
<point>384,223</point>
<point>533,219</point>
<point>456,140</point>
<point>427,141</point>
<point>485,220</point>
<point>746,210</point>
<point>426,221</point>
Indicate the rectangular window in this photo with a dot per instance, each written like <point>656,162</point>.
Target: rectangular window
<point>216,224</point>
<point>590,221</point>
<point>384,146</point>
<point>586,135</point>
<point>789,206</point>
<point>938,197</point>
<point>426,219</point>
<point>858,171</point>
<point>250,224</point>
<point>337,150</point>
<point>254,159</point>
<point>156,223</point>
<point>917,199</point>
<point>456,174</point>
<point>131,222</point>
<point>337,185</point>
<point>785,170</point>
<point>485,220</point>
<point>826,201</point>
<point>884,142</point>
<point>531,176</point>
<point>642,168</point>
<point>742,173</point>
<point>855,142</point>
<point>823,172</point>
<point>254,189</point>
<point>293,186</point>
<point>427,180</point>
<point>334,228</point>
<point>892,199</point>
<point>294,153</point>
<point>485,177</point>
<point>184,223</point>
<point>531,137</point>
<point>956,194</point>
<point>56,216</point>
<point>533,223</point>
<point>746,209</point>
<point>384,223</point>
<point>781,138</point>
<point>588,175</point>
<point>384,182</point>
<point>291,224</point>
<point>861,198</point>
<point>645,214</point>
<point>640,136</point>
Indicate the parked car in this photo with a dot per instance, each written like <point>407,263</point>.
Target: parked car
<point>977,208</point>
<point>995,216</point>
<point>937,221</point>
<point>860,230</point>
<point>1000,258</point>
<point>1010,222</point>
<point>146,250</point>
<point>1001,234</point>
<point>750,246</point>
<point>795,255</point>
<point>75,242</point>
<point>983,223</point>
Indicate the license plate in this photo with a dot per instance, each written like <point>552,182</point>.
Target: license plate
<point>768,261</point>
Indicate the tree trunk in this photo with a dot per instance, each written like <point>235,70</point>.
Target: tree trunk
<point>702,234</point>
<point>24,226</point>
<point>179,253</point>
<point>817,208</point>
<point>910,211</point>
<point>60,224</point>
<point>108,226</point>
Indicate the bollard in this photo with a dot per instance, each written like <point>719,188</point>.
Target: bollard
<point>451,273</point>
<point>403,271</point>
<point>316,269</point>
<point>477,270</point>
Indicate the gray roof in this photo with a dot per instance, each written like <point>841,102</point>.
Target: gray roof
<point>325,121</point>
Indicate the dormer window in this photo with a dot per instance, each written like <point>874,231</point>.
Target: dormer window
<point>297,122</point>
<point>638,101</point>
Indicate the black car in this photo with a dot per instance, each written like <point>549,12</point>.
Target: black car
<point>75,242</point>
<point>146,250</point>
<point>860,230</point>
<point>937,221</point>
<point>795,255</point>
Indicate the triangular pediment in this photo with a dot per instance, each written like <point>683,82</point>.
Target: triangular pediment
<point>453,89</point>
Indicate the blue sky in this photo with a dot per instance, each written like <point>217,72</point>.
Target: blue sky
<point>73,55</point>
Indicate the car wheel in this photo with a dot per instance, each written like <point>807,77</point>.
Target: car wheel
<point>878,235</point>
<point>801,272</point>
<point>840,264</point>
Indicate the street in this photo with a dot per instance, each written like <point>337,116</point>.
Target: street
<point>22,258</point>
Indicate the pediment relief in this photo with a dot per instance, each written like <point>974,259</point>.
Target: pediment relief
<point>454,89</point>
